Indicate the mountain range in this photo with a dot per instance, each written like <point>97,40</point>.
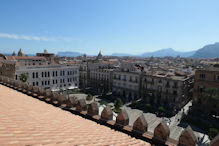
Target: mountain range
<point>208,51</point>
<point>167,52</point>
<point>159,53</point>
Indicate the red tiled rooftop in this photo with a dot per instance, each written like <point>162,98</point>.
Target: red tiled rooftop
<point>27,121</point>
<point>24,57</point>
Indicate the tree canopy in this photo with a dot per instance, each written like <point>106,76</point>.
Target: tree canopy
<point>23,77</point>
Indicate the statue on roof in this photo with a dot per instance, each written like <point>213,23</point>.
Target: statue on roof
<point>20,53</point>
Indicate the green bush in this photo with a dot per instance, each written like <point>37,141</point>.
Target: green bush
<point>161,109</point>
<point>117,110</point>
<point>118,103</point>
<point>134,104</point>
<point>212,132</point>
<point>89,97</point>
<point>103,102</point>
<point>23,77</point>
<point>147,107</point>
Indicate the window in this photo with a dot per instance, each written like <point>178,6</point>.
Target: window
<point>174,92</point>
<point>45,82</point>
<point>167,91</point>
<point>48,74</point>
<point>124,78</point>
<point>33,83</point>
<point>53,81</point>
<point>42,74</point>
<point>53,73</point>
<point>16,77</point>
<point>200,89</point>
<point>45,74</point>
<point>37,83</point>
<point>56,73</point>
<point>202,76</point>
<point>36,74</point>
<point>42,83</point>
<point>136,79</point>
<point>217,77</point>
<point>168,84</point>
<point>48,82</point>
<point>33,75</point>
<point>175,85</point>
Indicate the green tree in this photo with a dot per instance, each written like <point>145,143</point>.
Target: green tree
<point>23,77</point>
<point>103,102</point>
<point>161,109</point>
<point>212,132</point>
<point>134,104</point>
<point>118,103</point>
<point>148,107</point>
<point>89,97</point>
<point>211,94</point>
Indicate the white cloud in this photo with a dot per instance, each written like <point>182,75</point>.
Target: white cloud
<point>24,37</point>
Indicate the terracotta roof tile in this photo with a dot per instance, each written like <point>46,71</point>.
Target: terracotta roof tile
<point>24,57</point>
<point>28,121</point>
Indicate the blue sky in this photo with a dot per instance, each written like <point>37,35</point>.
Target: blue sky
<point>122,26</point>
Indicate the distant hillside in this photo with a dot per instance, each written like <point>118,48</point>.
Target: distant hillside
<point>68,54</point>
<point>208,51</point>
<point>168,52</point>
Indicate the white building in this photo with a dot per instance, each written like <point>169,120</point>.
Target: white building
<point>52,77</point>
<point>126,81</point>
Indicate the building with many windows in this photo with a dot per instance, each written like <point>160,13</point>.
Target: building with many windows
<point>126,81</point>
<point>206,91</point>
<point>53,77</point>
<point>170,90</point>
<point>101,80</point>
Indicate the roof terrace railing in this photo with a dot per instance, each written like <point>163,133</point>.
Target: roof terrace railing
<point>160,135</point>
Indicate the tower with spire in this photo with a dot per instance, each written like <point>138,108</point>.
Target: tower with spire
<point>20,53</point>
<point>13,54</point>
<point>99,56</point>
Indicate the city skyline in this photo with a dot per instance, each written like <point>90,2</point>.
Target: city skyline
<point>132,27</point>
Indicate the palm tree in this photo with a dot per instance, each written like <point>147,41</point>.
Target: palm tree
<point>23,77</point>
